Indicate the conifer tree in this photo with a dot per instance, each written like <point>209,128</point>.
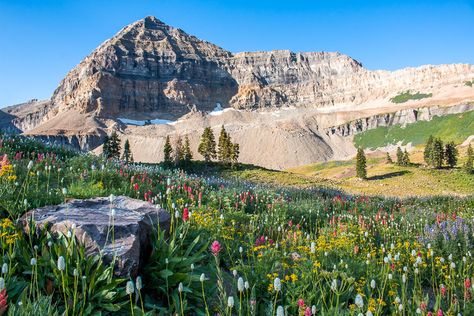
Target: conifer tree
<point>428,152</point>
<point>406,158</point>
<point>178,152</point>
<point>112,146</point>
<point>361,164</point>
<point>207,146</point>
<point>469,164</point>
<point>167,151</point>
<point>399,156</point>
<point>234,155</point>
<point>389,159</point>
<point>105,146</point>
<point>224,147</point>
<point>437,153</point>
<point>451,154</point>
<point>187,154</point>
<point>127,154</point>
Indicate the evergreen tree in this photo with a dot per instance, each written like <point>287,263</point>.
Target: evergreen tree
<point>224,147</point>
<point>207,146</point>
<point>469,164</point>
<point>389,159</point>
<point>427,154</point>
<point>187,154</point>
<point>167,151</point>
<point>112,146</point>
<point>234,155</point>
<point>178,152</point>
<point>105,146</point>
<point>399,156</point>
<point>406,158</point>
<point>127,154</point>
<point>361,164</point>
<point>437,153</point>
<point>451,154</point>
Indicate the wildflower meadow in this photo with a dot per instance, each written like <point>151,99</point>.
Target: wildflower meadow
<point>232,248</point>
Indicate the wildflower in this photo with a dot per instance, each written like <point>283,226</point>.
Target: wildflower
<point>2,284</point>
<point>130,288</point>
<point>180,287</point>
<point>280,311</point>
<point>230,301</point>
<point>313,247</point>
<point>3,301</point>
<point>247,285</point>
<point>30,165</point>
<point>215,247</point>
<point>64,191</point>
<point>307,311</point>
<point>75,273</point>
<point>112,212</point>
<point>359,301</point>
<point>313,310</point>
<point>61,263</point>
<point>277,284</point>
<point>234,272</point>
<point>453,265</point>
<point>111,198</point>
<point>202,278</point>
<point>241,249</point>
<point>138,283</point>
<point>240,284</point>
<point>369,313</point>
<point>467,283</point>
<point>418,310</point>
<point>5,268</point>
<point>440,312</point>
<point>334,285</point>
<point>372,284</point>
<point>301,303</point>
<point>185,214</point>
<point>33,261</point>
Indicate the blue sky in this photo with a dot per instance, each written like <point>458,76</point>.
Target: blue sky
<point>40,41</point>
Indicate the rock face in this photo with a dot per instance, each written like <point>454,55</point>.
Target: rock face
<point>133,226</point>
<point>150,68</point>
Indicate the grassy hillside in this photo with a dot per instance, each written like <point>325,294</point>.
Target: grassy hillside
<point>453,127</point>
<point>407,96</point>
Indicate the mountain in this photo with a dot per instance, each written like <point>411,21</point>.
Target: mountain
<point>280,103</point>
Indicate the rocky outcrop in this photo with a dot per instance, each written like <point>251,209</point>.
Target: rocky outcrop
<point>92,221</point>
<point>402,117</point>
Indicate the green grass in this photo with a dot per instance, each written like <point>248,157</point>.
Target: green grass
<point>407,96</point>
<point>469,83</point>
<point>453,127</point>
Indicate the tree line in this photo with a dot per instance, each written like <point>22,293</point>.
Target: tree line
<point>437,154</point>
<point>227,152</point>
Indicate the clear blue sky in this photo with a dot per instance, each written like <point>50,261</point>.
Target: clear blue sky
<point>41,40</point>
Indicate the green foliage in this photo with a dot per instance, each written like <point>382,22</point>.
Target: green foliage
<point>427,154</point>
<point>361,164</point>
<point>400,157</point>
<point>451,154</point>
<point>187,154</point>
<point>227,152</point>
<point>167,151</point>
<point>207,146</point>
<point>407,95</point>
<point>42,306</point>
<point>111,148</point>
<point>469,83</point>
<point>469,164</point>
<point>406,158</point>
<point>178,152</point>
<point>437,154</point>
<point>388,159</point>
<point>127,154</point>
<point>451,127</point>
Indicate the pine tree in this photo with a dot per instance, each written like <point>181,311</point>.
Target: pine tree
<point>399,156</point>
<point>437,153</point>
<point>469,164</point>
<point>112,146</point>
<point>167,151</point>
<point>224,147</point>
<point>178,152</point>
<point>389,159</point>
<point>451,154</point>
<point>427,154</point>
<point>406,158</point>
<point>361,164</point>
<point>105,146</point>
<point>127,154</point>
<point>234,155</point>
<point>207,146</point>
<point>187,154</point>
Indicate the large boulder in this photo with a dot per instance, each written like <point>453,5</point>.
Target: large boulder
<point>90,220</point>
